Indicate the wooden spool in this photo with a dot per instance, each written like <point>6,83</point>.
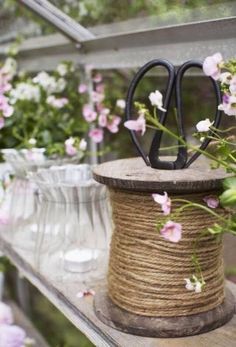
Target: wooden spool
<point>133,175</point>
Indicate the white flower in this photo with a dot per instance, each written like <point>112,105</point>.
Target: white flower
<point>70,141</point>
<point>62,69</point>
<point>32,141</point>
<point>225,77</point>
<point>10,67</point>
<point>204,125</point>
<point>189,285</point>
<point>156,100</point>
<point>25,91</point>
<point>120,103</point>
<point>228,106</point>
<point>194,283</point>
<point>49,83</point>
<point>61,84</point>
<point>232,87</point>
<point>83,145</point>
<point>198,287</point>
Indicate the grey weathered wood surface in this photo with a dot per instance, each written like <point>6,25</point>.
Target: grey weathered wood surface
<point>81,313</point>
<point>21,320</point>
<point>122,320</point>
<point>133,174</point>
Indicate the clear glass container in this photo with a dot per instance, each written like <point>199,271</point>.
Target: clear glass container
<point>21,200</point>
<point>21,196</point>
<point>74,224</point>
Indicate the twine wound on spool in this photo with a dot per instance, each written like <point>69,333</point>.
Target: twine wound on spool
<point>146,272</point>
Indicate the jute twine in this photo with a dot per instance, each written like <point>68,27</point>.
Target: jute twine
<point>146,272</point>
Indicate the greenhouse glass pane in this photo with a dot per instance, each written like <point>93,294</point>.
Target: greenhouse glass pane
<point>150,12</point>
<point>124,15</point>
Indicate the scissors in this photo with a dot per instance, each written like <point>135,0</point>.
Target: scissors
<point>174,83</point>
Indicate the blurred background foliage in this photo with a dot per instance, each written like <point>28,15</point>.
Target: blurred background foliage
<point>94,12</point>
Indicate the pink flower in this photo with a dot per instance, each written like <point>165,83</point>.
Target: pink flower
<point>137,125</point>
<point>6,316</point>
<point>211,65</point>
<point>97,97</point>
<point>96,135</point>
<point>57,102</point>
<point>97,78</point>
<point>172,231</point>
<point>2,122</point>
<point>102,120</point>
<point>113,124</point>
<point>212,201</point>
<point>82,294</point>
<point>7,110</point>
<point>164,201</point>
<point>12,336</point>
<point>100,88</point>
<point>82,88</point>
<point>89,114</point>
<point>69,147</point>
<point>228,105</point>
<point>105,111</point>
<point>5,86</point>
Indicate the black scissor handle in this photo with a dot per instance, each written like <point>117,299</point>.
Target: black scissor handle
<point>179,77</point>
<point>174,82</point>
<point>129,100</point>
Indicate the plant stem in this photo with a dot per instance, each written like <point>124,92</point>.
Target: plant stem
<point>194,204</point>
<point>181,140</point>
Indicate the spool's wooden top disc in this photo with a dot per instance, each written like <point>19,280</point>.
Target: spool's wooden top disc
<point>133,174</point>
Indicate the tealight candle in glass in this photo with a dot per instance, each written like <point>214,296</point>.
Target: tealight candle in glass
<point>74,223</point>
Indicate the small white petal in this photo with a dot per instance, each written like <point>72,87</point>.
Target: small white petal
<point>189,285</point>
<point>204,125</point>
<point>80,295</point>
<point>198,287</point>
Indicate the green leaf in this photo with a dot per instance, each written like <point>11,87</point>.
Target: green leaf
<point>215,229</point>
<point>228,198</point>
<point>229,183</point>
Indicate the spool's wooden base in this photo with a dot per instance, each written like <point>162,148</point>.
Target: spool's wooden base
<point>117,318</point>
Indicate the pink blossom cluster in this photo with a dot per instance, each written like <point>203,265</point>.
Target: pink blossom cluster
<point>57,102</point>
<point>98,114</point>
<point>10,335</point>
<point>6,110</point>
<point>213,66</point>
<point>73,146</point>
<point>172,231</point>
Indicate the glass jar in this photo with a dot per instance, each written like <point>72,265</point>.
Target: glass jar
<point>21,196</point>
<point>74,223</point>
<point>21,199</point>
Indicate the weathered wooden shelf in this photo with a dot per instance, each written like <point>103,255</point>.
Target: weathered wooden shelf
<point>81,313</point>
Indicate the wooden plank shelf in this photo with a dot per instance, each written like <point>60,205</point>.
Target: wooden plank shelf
<point>81,313</point>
